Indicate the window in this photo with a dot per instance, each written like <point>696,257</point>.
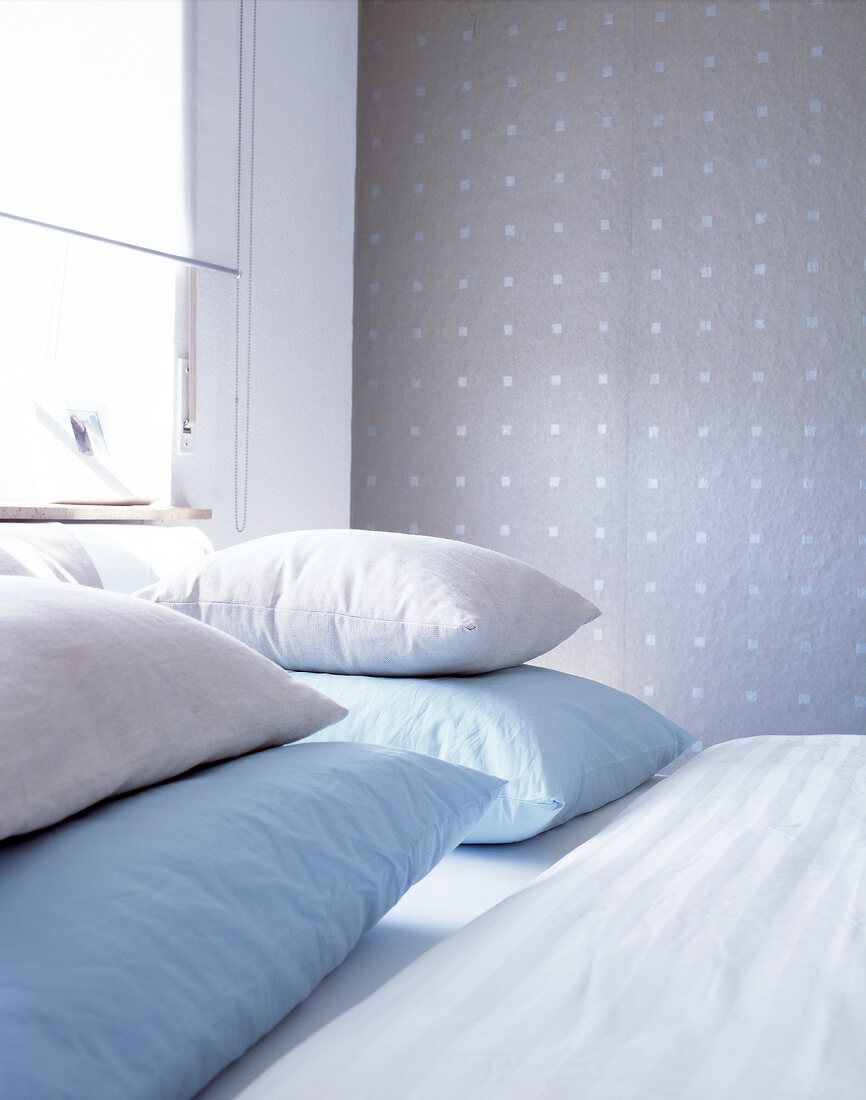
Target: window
<point>93,138</point>
<point>86,328</point>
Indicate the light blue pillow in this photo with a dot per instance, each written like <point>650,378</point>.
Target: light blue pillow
<point>566,745</point>
<point>149,941</point>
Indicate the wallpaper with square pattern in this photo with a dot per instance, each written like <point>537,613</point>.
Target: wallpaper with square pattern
<point>611,319</point>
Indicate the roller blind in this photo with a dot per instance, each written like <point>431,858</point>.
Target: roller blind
<point>100,130</point>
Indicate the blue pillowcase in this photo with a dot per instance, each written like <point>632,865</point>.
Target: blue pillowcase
<point>566,745</point>
<point>149,941</point>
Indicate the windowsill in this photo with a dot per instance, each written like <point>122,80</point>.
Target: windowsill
<point>99,513</point>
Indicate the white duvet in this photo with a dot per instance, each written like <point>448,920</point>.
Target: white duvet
<point>709,944</point>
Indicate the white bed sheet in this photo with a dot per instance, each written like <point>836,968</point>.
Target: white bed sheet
<point>710,944</point>
<point>468,882</point>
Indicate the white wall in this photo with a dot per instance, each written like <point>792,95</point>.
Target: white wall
<point>300,320</point>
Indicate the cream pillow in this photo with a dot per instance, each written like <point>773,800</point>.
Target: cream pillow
<point>377,603</point>
<point>103,693</point>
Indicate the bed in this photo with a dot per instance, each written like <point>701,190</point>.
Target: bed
<point>217,927</point>
<point>708,943</point>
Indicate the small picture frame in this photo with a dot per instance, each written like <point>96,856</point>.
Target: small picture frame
<point>88,432</point>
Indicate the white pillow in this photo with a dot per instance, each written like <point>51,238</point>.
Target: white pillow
<point>103,693</point>
<point>377,603</point>
<point>51,551</point>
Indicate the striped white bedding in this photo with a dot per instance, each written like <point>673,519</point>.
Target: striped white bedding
<point>709,943</point>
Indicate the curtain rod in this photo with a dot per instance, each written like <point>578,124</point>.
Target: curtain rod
<point>188,260</point>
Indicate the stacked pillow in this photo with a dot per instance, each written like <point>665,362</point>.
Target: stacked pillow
<point>425,641</point>
<point>170,892</point>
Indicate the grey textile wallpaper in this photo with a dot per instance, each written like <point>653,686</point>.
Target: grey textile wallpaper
<point>610,318</point>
